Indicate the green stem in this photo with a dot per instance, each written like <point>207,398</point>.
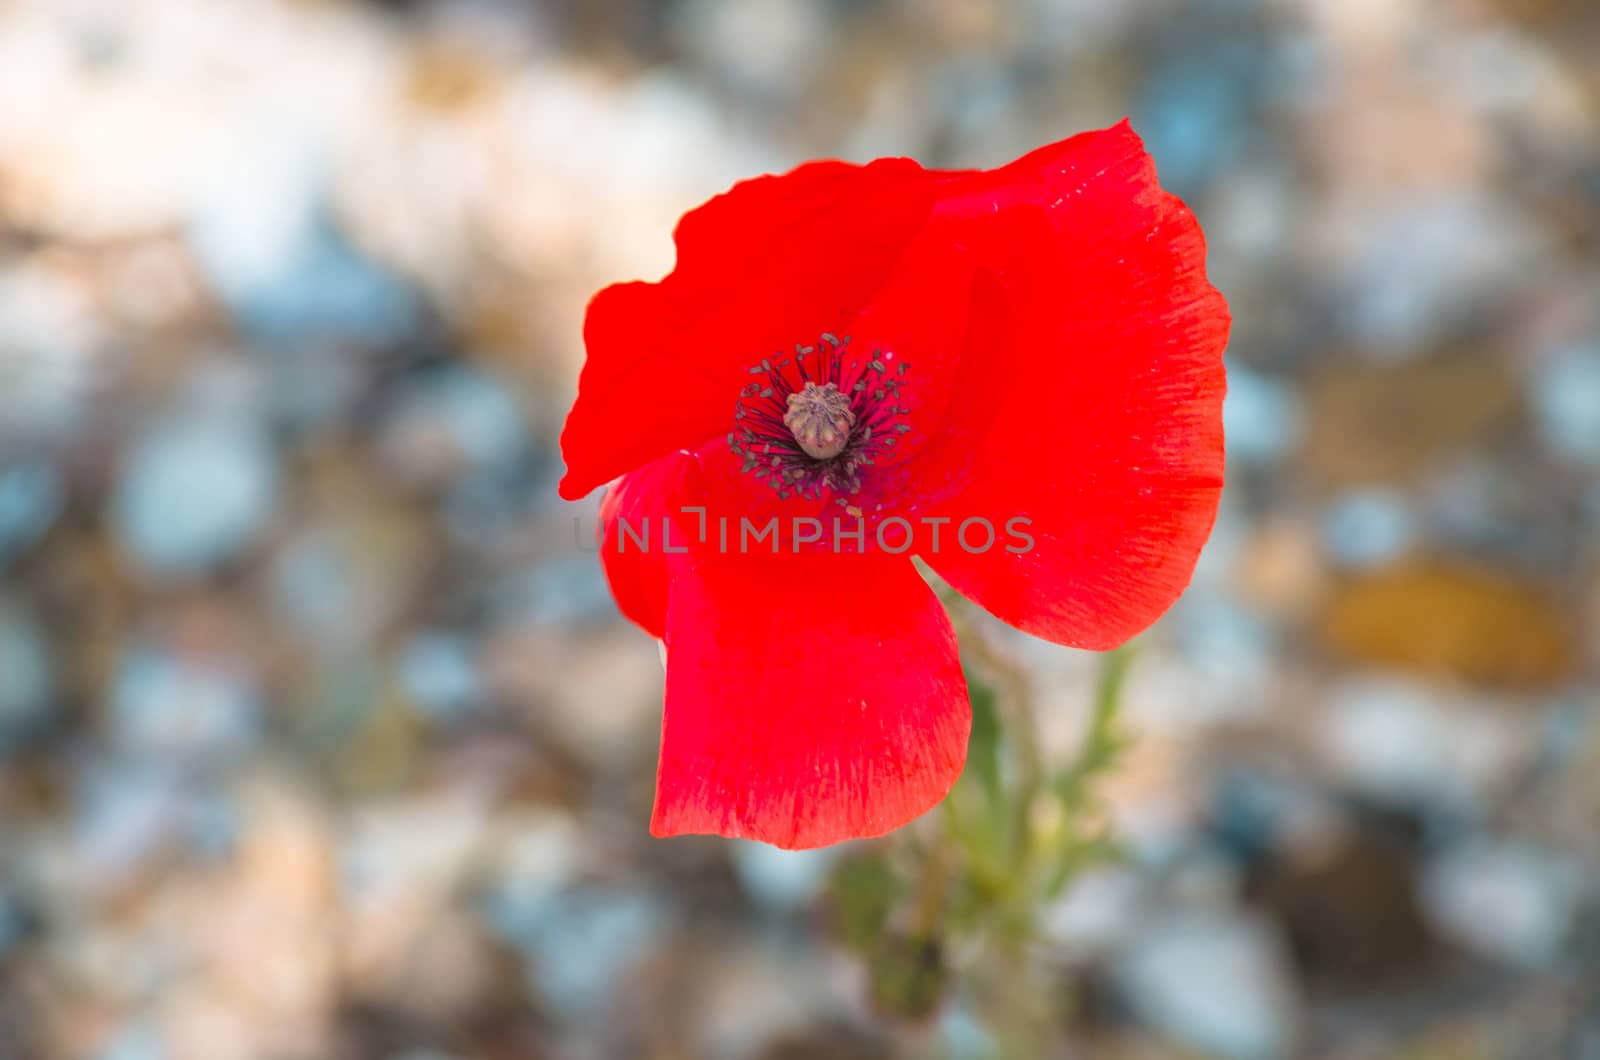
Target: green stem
<point>1022,735</point>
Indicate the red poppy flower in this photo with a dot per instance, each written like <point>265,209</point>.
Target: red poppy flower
<point>1015,374</point>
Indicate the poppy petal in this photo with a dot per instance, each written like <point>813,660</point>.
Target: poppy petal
<point>773,262</point>
<point>1091,404</point>
<point>810,699</point>
<point>918,320</point>
<point>641,521</point>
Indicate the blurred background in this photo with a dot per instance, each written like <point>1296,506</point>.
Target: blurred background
<point>319,738</point>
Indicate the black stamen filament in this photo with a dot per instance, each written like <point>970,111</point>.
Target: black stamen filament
<point>768,445</point>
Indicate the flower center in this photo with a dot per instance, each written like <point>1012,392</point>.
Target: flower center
<point>811,422</point>
<point>820,418</point>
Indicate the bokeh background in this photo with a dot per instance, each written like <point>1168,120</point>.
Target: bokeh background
<point>319,738</point>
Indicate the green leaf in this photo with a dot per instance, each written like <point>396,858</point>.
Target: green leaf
<point>983,745</point>
<point>977,813</point>
<point>1103,744</point>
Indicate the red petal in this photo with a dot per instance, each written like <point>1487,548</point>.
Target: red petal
<point>773,262</point>
<point>1092,403</point>
<point>631,545</point>
<point>810,700</point>
<point>920,317</point>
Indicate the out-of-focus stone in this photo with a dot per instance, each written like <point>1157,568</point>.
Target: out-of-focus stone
<point>592,941</point>
<point>1389,423</point>
<point>27,673</point>
<point>1566,395</point>
<point>153,289</point>
<point>565,591</point>
<point>964,1036</point>
<point>455,421</point>
<point>439,672</point>
<point>1099,911</point>
<point>757,998</point>
<point>1261,416</point>
<point>103,87</point>
<point>1194,111</point>
<point>1448,621</point>
<point>1404,743</point>
<point>1507,901</point>
<point>259,936</point>
<point>1351,913</point>
<point>1281,569</point>
<point>12,925</point>
<point>127,817</point>
<point>442,967</point>
<point>31,497</point>
<point>595,694</point>
<point>1217,983</point>
<point>1368,528</point>
<point>137,1041</point>
<point>53,351</point>
<point>383,746</point>
<point>408,942</point>
<point>537,852</point>
<point>1255,212</point>
<point>782,880</point>
<point>1420,266</point>
<point>1532,87</point>
<point>763,47</point>
<point>297,278</point>
<point>194,493</point>
<point>1227,649</point>
<point>350,569</point>
<point>167,703</point>
<point>1259,812</point>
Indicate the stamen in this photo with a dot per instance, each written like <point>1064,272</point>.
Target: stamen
<point>802,428</point>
